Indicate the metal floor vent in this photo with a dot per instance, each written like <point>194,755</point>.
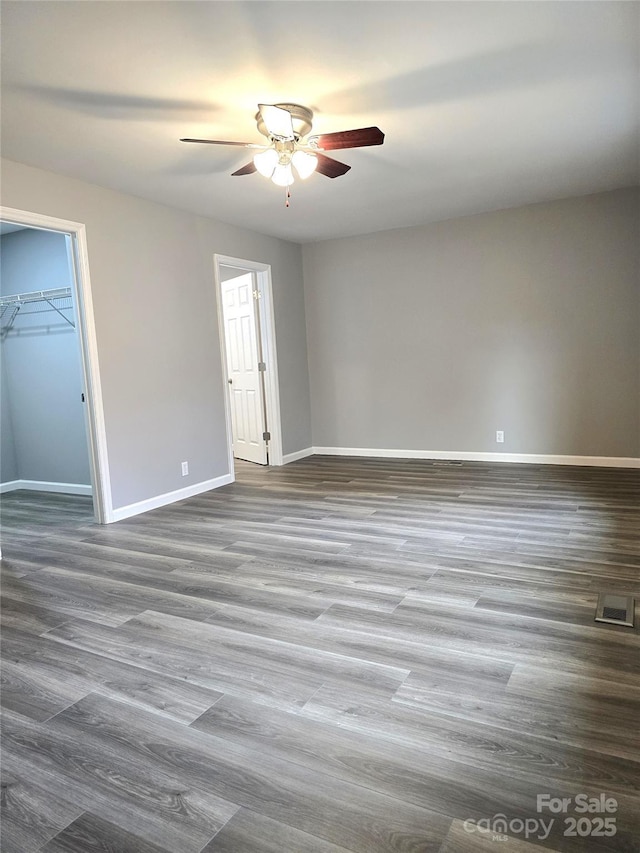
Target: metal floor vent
<point>615,609</point>
<point>448,463</point>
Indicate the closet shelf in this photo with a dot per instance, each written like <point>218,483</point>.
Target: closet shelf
<point>57,299</point>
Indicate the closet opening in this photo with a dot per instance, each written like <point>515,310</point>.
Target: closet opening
<point>52,432</point>
<point>249,362</point>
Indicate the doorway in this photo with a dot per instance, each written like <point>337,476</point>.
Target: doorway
<point>250,371</point>
<point>43,437</point>
<point>48,331</point>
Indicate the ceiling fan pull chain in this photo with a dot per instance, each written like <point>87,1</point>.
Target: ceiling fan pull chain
<point>287,196</point>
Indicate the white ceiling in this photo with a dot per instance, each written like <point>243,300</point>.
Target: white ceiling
<point>485,105</point>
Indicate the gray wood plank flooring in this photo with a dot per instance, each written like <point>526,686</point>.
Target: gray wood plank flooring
<point>338,656</point>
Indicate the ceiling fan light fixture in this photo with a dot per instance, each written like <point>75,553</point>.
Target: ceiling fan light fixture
<point>266,161</point>
<point>305,163</point>
<point>283,175</point>
<point>287,126</point>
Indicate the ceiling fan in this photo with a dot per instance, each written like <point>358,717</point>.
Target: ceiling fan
<point>285,126</point>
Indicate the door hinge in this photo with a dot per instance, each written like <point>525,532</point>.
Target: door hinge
<point>262,366</point>
<point>266,436</point>
<point>257,294</point>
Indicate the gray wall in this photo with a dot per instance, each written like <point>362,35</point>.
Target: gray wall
<point>525,320</point>
<point>156,325</point>
<point>228,273</point>
<point>42,378</point>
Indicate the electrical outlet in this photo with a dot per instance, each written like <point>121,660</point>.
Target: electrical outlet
<point>500,436</point>
<point>185,469</point>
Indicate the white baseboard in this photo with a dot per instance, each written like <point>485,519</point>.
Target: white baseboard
<point>123,512</point>
<point>299,454</point>
<point>466,456</point>
<point>45,486</point>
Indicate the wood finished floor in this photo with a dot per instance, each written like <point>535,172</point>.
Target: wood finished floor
<point>338,655</point>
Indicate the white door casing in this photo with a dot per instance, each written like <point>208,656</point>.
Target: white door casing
<point>244,377</point>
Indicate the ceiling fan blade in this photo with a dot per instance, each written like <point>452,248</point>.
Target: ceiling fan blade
<point>330,167</point>
<point>348,139</point>
<point>248,169</point>
<point>224,142</point>
<point>277,121</point>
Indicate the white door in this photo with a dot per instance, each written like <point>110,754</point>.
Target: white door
<point>244,377</point>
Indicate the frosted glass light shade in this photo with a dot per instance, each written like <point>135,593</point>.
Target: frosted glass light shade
<point>277,121</point>
<point>282,175</point>
<point>266,161</point>
<point>305,163</point>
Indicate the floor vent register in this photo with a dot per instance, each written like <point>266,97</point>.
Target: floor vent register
<point>615,609</point>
